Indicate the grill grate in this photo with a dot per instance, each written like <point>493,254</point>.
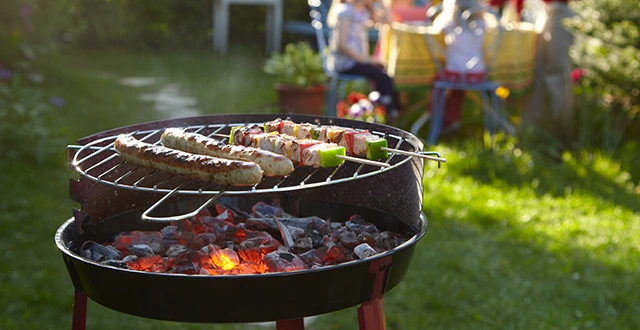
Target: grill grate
<point>98,161</point>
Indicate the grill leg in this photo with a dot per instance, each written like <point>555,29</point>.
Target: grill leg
<point>79,311</point>
<point>371,315</point>
<point>371,312</point>
<point>296,324</point>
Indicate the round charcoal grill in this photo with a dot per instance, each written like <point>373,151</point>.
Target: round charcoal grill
<point>115,196</point>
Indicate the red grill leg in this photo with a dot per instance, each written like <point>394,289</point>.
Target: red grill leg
<point>371,313</point>
<point>79,311</point>
<point>296,324</point>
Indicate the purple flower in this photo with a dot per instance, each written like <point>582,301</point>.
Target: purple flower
<point>356,110</point>
<point>57,102</point>
<point>6,74</point>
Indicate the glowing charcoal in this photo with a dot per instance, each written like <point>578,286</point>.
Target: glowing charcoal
<point>283,261</point>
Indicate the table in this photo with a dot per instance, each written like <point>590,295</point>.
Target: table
<point>404,50</point>
<point>273,22</point>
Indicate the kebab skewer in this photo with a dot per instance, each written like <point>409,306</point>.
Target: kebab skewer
<point>306,152</point>
<point>360,143</point>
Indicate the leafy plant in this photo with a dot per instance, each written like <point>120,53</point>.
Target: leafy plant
<point>24,131</point>
<point>607,51</point>
<point>299,65</point>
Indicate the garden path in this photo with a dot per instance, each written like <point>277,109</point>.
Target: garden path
<point>168,100</point>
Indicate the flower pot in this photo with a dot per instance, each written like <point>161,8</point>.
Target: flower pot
<point>301,100</point>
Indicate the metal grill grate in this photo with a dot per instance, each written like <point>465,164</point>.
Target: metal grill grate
<point>98,161</point>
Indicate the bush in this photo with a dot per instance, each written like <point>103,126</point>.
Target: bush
<point>607,52</point>
<point>24,130</point>
<point>25,33</point>
<point>299,65</point>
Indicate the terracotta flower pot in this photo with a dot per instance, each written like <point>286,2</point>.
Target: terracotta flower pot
<point>301,100</point>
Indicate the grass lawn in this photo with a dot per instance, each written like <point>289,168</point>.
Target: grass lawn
<point>517,239</point>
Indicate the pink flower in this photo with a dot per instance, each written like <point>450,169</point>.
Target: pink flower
<point>577,74</point>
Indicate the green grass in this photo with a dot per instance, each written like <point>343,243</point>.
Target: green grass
<point>517,239</point>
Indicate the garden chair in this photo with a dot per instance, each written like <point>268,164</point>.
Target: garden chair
<point>337,82</point>
<point>491,105</point>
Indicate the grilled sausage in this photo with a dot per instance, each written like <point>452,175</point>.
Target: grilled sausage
<point>271,163</point>
<point>202,167</point>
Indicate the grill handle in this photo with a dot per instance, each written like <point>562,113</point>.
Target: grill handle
<point>146,217</point>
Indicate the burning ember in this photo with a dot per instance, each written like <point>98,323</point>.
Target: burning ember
<point>236,242</point>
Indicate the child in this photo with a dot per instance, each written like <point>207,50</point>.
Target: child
<point>350,21</point>
<point>464,39</point>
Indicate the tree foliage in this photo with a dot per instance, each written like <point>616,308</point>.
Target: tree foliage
<point>130,24</point>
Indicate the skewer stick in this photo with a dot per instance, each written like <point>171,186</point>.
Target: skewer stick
<point>363,161</point>
<point>409,153</point>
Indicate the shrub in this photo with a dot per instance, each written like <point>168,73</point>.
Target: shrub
<point>298,65</point>
<point>607,50</point>
<point>24,111</point>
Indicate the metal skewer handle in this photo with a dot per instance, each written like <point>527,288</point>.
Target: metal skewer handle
<point>422,154</point>
<point>363,161</point>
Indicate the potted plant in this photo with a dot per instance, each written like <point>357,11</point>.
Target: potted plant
<point>300,79</point>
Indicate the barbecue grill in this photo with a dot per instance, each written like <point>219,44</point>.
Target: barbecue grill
<point>115,196</point>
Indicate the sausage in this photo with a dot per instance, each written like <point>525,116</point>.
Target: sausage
<point>271,163</point>
<point>206,168</point>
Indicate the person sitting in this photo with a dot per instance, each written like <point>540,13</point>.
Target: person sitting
<point>407,10</point>
<point>464,53</point>
<point>349,21</point>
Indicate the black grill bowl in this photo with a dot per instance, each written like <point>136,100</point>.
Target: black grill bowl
<point>235,298</point>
